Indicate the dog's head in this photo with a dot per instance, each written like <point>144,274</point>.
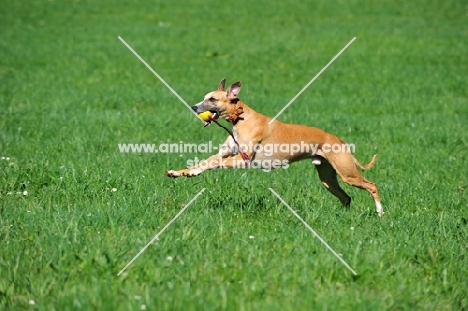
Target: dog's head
<point>221,103</point>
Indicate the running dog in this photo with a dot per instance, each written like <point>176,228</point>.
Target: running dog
<point>255,132</point>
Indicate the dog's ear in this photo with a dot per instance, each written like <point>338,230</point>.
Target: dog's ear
<point>233,90</point>
<point>221,84</point>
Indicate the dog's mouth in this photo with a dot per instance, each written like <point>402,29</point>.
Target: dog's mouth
<point>213,117</point>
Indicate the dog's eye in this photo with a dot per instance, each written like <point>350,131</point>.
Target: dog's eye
<point>212,99</point>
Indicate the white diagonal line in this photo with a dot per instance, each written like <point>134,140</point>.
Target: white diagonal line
<point>312,230</point>
<point>159,233</point>
<point>160,78</point>
<point>311,81</point>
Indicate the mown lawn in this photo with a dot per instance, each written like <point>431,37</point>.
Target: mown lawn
<point>74,210</point>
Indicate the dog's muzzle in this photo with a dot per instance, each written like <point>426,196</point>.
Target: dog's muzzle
<point>200,108</point>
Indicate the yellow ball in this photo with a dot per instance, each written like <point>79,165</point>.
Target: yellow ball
<point>206,115</point>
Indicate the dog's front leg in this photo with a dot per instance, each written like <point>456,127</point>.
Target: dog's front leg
<point>212,162</point>
<point>215,161</point>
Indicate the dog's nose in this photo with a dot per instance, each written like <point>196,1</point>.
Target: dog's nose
<point>194,108</point>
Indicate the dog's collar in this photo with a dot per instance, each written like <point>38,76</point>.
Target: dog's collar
<point>238,110</point>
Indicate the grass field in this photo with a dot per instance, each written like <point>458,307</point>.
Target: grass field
<point>74,210</point>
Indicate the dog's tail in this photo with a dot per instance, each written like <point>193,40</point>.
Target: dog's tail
<point>368,166</point>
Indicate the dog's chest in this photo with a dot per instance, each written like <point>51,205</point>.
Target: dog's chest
<point>241,136</point>
<point>235,133</point>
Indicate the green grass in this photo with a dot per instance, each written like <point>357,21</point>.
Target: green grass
<point>70,92</point>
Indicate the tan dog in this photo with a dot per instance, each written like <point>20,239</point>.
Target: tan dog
<point>254,134</point>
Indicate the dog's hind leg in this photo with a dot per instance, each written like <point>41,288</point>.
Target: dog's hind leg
<point>327,175</point>
<point>346,169</point>
<point>361,182</point>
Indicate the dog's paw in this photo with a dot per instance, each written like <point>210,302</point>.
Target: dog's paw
<point>173,174</point>
<point>194,172</point>
<point>187,173</point>
<point>379,209</point>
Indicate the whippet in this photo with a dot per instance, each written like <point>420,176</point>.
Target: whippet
<point>253,133</point>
